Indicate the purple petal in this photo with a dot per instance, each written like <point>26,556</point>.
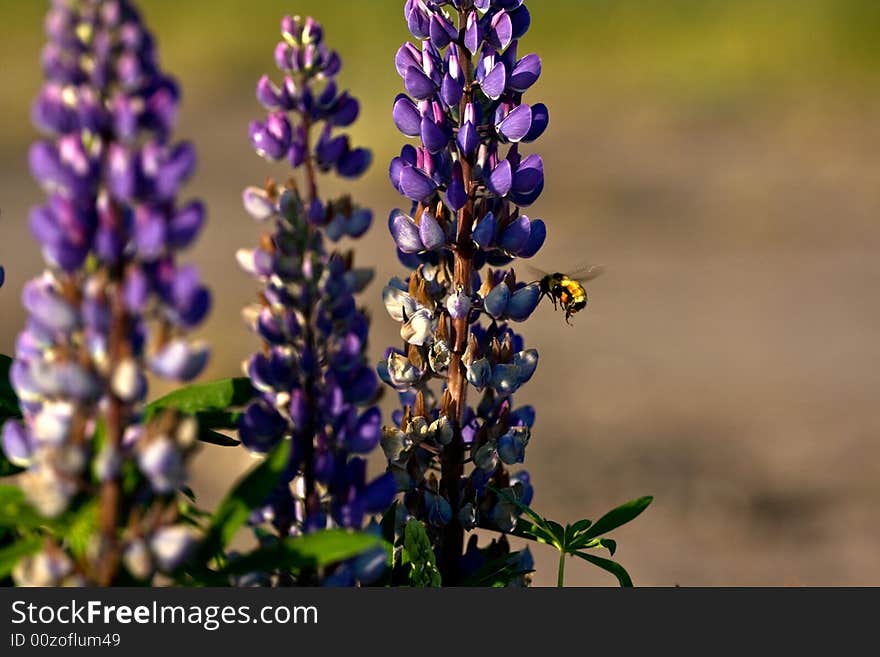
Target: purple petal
<point>451,90</point>
<point>516,235</point>
<point>523,302</point>
<point>501,31</point>
<point>501,179</point>
<point>186,224</point>
<point>525,73</point>
<point>517,124</point>
<point>456,195</point>
<point>180,360</point>
<point>520,21</point>
<point>540,121</point>
<point>529,175</point>
<point>405,233</point>
<point>484,233</point>
<point>537,237</point>
<point>434,137</point>
<point>406,116</point>
<point>430,232</point>
<point>17,444</point>
<point>415,184</point>
<point>468,139</point>
<point>496,301</point>
<point>472,33</point>
<point>419,85</point>
<point>354,163</point>
<point>495,81</point>
<point>408,56</point>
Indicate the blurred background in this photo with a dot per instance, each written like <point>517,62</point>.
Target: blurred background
<point>720,158</point>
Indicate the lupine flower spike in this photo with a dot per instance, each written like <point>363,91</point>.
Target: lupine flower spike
<point>113,303</point>
<point>314,386</point>
<point>469,181</point>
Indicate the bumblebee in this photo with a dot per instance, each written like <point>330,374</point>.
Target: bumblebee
<point>568,291</point>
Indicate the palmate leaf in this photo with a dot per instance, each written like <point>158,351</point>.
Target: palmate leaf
<point>309,551</point>
<point>251,491</point>
<point>619,516</point>
<point>213,397</point>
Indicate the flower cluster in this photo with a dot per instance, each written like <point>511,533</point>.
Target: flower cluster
<point>468,182</point>
<point>112,304</point>
<point>312,379</point>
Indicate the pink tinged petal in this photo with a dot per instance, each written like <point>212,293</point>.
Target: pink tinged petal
<point>431,233</point>
<point>501,179</point>
<point>407,56</point>
<point>525,73</point>
<point>406,234</point>
<point>433,136</point>
<point>495,81</point>
<point>501,31</point>
<point>17,443</point>
<point>516,125</point>
<point>257,203</point>
<point>180,360</point>
<point>472,33</point>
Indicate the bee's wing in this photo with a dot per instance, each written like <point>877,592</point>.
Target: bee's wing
<point>538,274</point>
<point>588,273</point>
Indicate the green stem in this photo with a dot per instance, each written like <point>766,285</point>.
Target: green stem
<point>560,581</point>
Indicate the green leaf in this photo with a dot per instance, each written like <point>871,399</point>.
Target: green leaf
<point>606,564</point>
<point>80,527</point>
<point>417,552</point>
<point>558,532</point>
<point>216,396</point>
<point>619,516</point>
<point>580,526</point>
<point>12,554</point>
<point>251,491</point>
<point>15,512</point>
<point>310,551</point>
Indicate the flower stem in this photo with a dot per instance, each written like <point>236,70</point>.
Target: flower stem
<point>560,580</point>
<point>111,488</point>
<point>452,466</point>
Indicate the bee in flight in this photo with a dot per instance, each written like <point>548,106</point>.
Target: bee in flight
<point>568,290</point>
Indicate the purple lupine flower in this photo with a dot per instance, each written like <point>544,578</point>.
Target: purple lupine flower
<point>113,302</point>
<point>314,386</point>
<point>468,181</point>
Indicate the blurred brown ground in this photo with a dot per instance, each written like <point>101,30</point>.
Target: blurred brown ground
<point>728,363</point>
